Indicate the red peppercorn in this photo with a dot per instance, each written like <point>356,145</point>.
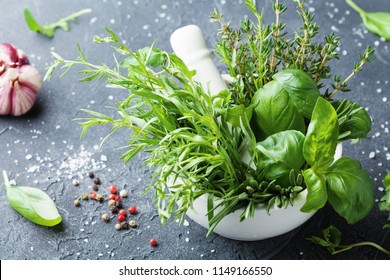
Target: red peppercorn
<point>117,198</point>
<point>133,210</point>
<point>121,218</point>
<point>153,242</point>
<point>92,195</point>
<point>122,212</point>
<point>111,197</point>
<point>112,189</point>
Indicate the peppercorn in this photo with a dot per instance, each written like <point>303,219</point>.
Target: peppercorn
<point>118,204</point>
<point>121,218</point>
<point>111,197</point>
<point>114,209</point>
<point>153,242</point>
<point>91,175</point>
<point>75,182</point>
<point>112,189</point>
<point>124,225</point>
<point>133,210</point>
<point>117,198</point>
<point>122,212</point>
<point>84,196</point>
<point>133,223</point>
<point>92,195</point>
<point>118,227</point>
<point>111,203</point>
<point>97,181</point>
<point>99,197</point>
<point>95,187</point>
<point>105,217</point>
<point>123,193</point>
<point>76,202</point>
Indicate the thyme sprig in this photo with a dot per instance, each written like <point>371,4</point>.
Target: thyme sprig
<point>255,51</point>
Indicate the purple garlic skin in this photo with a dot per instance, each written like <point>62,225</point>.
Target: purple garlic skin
<point>19,81</point>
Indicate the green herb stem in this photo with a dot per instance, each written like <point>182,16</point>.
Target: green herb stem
<point>365,243</point>
<point>355,7</point>
<point>6,179</point>
<point>77,14</point>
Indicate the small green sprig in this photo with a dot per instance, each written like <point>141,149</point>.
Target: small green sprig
<point>332,241</point>
<point>48,29</point>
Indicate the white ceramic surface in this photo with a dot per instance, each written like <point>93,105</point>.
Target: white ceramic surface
<point>262,225</point>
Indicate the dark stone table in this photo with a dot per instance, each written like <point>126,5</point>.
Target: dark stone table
<point>43,148</point>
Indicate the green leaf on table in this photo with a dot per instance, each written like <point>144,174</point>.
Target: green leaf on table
<point>321,137</point>
<point>301,87</point>
<point>350,189</point>
<point>274,111</point>
<point>354,121</point>
<point>316,191</point>
<point>378,22</point>
<point>32,203</point>
<point>384,203</point>
<point>280,153</point>
<point>48,29</point>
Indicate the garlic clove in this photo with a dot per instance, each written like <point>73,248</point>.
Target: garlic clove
<point>11,56</point>
<point>18,90</point>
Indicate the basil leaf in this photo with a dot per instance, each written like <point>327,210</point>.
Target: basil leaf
<point>274,111</point>
<point>234,114</point>
<point>280,153</point>
<point>354,121</point>
<point>378,23</point>
<point>350,189</point>
<point>321,138</point>
<point>301,87</point>
<point>316,191</point>
<point>33,204</point>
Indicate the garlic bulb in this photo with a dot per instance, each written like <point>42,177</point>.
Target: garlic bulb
<point>19,81</point>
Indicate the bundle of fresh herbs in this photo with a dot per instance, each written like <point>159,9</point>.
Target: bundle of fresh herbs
<point>277,109</point>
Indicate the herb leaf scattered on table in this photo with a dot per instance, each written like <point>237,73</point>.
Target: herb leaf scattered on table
<point>332,241</point>
<point>378,22</point>
<point>48,29</point>
<point>32,203</point>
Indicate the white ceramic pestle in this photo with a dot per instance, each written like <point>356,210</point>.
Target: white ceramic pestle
<point>189,45</point>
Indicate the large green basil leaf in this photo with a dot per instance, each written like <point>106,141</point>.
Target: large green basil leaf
<point>280,153</point>
<point>33,204</point>
<point>301,87</point>
<point>274,111</point>
<point>354,121</point>
<point>316,191</point>
<point>321,137</point>
<point>350,189</point>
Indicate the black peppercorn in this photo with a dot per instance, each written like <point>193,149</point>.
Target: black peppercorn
<point>97,181</point>
<point>114,209</point>
<point>91,175</point>
<point>124,225</point>
<point>95,187</point>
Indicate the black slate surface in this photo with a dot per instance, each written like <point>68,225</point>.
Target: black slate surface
<point>43,148</point>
